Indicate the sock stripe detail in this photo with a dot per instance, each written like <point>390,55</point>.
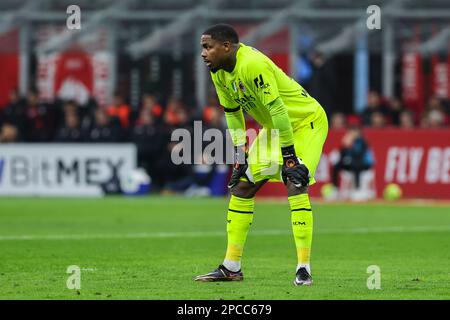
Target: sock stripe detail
<point>239,211</point>
<point>301,209</point>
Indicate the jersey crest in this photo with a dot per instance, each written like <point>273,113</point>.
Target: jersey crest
<point>241,86</point>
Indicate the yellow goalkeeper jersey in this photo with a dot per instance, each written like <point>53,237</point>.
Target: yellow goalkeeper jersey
<point>255,82</point>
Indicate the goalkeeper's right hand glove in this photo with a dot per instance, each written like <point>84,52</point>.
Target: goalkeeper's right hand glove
<point>293,170</point>
<point>240,166</point>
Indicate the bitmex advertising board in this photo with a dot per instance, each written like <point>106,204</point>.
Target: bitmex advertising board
<point>417,160</point>
<point>62,169</point>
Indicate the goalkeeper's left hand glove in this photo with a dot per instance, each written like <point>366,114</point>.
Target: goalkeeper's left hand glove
<point>240,166</point>
<point>293,169</point>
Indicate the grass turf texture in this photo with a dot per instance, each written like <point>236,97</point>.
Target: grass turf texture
<point>152,248</point>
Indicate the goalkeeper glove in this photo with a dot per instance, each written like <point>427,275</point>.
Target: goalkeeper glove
<point>240,165</point>
<point>293,169</point>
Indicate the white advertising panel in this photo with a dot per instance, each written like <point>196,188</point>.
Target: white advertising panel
<point>62,169</point>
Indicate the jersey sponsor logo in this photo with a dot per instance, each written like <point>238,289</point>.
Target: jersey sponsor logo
<point>246,102</point>
<point>298,223</point>
<point>245,98</point>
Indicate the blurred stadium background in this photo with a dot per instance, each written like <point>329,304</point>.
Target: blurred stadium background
<point>132,73</point>
<point>90,111</point>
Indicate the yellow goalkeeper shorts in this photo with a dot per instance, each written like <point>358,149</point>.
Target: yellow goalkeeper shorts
<point>265,158</point>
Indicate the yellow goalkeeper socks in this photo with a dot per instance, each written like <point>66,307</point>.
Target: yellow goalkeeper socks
<point>239,219</point>
<point>302,227</point>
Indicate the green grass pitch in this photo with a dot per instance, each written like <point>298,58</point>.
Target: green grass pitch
<point>151,248</point>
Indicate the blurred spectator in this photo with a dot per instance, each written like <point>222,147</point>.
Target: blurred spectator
<point>9,133</point>
<point>120,110</point>
<point>178,178</point>
<point>71,131</point>
<point>213,117</point>
<point>434,103</point>
<point>323,84</point>
<point>435,115</point>
<point>150,103</point>
<point>374,104</point>
<point>176,114</point>
<point>377,120</point>
<point>406,119</point>
<point>395,109</point>
<point>86,114</point>
<point>70,106</point>
<point>104,130</point>
<point>211,173</point>
<point>433,119</point>
<point>41,119</point>
<point>338,121</point>
<point>353,120</point>
<point>424,123</point>
<point>14,112</point>
<point>436,119</point>
<point>151,143</point>
<point>355,156</point>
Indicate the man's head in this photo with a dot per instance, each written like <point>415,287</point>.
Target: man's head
<point>219,44</point>
<point>13,96</point>
<point>373,99</point>
<point>101,117</point>
<point>118,99</point>
<point>72,120</point>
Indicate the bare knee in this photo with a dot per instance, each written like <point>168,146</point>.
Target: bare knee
<point>246,190</point>
<point>293,190</point>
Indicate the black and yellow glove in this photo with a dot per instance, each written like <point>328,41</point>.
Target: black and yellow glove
<point>293,169</point>
<point>240,166</point>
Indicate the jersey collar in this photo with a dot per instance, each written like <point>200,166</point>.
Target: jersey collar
<point>238,54</point>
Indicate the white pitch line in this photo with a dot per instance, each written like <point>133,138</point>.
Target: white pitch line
<point>221,233</point>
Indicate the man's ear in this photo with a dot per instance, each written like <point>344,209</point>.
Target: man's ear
<point>227,45</point>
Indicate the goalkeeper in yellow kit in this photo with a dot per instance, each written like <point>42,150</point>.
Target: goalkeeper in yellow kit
<point>287,148</point>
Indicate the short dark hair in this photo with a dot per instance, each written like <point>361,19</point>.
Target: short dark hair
<point>222,32</point>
